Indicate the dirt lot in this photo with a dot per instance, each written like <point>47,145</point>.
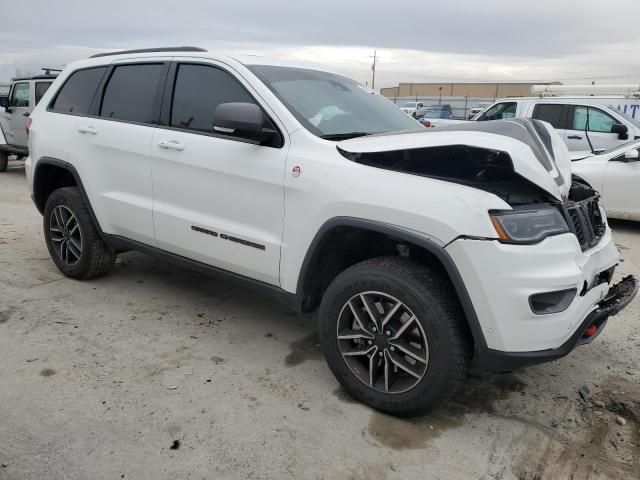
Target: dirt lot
<point>157,372</point>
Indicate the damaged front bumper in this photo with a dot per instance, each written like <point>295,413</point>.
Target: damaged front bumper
<point>618,297</point>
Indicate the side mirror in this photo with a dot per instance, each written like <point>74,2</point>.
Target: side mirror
<point>631,155</point>
<point>243,120</point>
<point>621,130</point>
<point>4,102</point>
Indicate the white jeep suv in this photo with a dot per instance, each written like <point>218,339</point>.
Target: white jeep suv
<point>424,250</point>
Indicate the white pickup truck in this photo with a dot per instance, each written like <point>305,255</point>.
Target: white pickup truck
<point>15,108</point>
<point>585,123</point>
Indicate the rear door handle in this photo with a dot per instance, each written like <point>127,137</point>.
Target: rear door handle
<point>171,145</point>
<point>89,129</point>
<point>574,137</point>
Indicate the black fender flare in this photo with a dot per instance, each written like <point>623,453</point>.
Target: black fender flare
<point>76,176</point>
<point>429,245</point>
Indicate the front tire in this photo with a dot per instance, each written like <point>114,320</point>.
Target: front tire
<point>394,335</point>
<point>71,237</point>
<point>4,161</point>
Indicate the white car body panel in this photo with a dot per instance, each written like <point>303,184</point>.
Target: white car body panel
<point>617,181</point>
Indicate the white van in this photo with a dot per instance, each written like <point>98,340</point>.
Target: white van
<point>600,121</point>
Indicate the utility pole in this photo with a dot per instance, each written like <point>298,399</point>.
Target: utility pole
<point>373,69</point>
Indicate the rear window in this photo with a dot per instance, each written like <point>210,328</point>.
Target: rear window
<point>556,115</point>
<point>130,93</point>
<point>78,91</point>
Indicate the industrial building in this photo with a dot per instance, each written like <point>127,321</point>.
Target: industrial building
<point>476,90</point>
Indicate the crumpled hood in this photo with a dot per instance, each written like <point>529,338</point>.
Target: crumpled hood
<point>536,151</point>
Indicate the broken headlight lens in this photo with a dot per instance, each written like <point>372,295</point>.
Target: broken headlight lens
<point>528,226</point>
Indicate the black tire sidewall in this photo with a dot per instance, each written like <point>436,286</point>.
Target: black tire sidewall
<point>429,391</point>
<point>4,161</point>
<point>65,197</point>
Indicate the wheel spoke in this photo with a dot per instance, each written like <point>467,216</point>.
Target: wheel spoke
<point>75,250</point>
<point>357,352</point>
<point>354,335</point>
<point>356,317</point>
<point>400,363</point>
<point>408,350</point>
<point>374,368</point>
<point>389,315</point>
<point>403,328</point>
<point>386,371</point>
<point>61,239</point>
<point>73,230</point>
<point>374,316</point>
<point>57,215</point>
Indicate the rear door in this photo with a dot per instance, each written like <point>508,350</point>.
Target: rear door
<point>555,114</point>
<point>19,110</point>
<point>599,125</point>
<point>217,199</point>
<point>111,147</point>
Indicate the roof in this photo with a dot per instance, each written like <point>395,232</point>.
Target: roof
<point>36,77</point>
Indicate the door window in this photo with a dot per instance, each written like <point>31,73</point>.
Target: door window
<point>78,91</point>
<point>556,115</point>
<point>599,121</point>
<point>500,111</point>
<point>130,93</point>
<point>41,89</point>
<point>20,95</point>
<point>198,90</point>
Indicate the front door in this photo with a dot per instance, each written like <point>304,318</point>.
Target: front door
<point>594,122</point>
<point>217,199</point>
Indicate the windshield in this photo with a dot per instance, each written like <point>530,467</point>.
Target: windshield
<point>331,106</point>
<point>634,121</point>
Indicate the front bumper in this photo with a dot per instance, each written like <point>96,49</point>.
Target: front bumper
<point>619,296</point>
<point>501,279</point>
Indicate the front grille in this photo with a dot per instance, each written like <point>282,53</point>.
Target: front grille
<point>585,221</point>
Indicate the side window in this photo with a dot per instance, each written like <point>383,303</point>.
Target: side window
<point>130,93</point>
<point>78,91</point>
<point>198,90</point>
<point>500,111</point>
<point>556,115</point>
<point>20,95</point>
<point>41,89</point>
<point>599,121</point>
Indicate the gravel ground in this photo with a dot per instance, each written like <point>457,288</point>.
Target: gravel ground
<point>157,372</point>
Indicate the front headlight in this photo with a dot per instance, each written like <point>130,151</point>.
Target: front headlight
<point>528,226</point>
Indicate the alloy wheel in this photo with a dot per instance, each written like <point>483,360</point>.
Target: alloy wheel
<point>65,235</point>
<point>382,342</point>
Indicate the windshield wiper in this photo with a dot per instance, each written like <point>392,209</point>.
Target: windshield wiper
<point>343,136</point>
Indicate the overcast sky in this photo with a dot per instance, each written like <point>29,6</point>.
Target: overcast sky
<point>574,41</point>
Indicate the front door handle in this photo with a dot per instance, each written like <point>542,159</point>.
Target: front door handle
<point>26,114</point>
<point>89,129</point>
<point>574,137</point>
<point>171,145</point>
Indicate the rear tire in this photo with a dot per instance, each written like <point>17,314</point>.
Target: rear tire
<point>435,345</point>
<point>4,161</point>
<point>73,241</point>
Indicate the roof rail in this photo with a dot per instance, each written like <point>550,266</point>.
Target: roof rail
<point>150,50</point>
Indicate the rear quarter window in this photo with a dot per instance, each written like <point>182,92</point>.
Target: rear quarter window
<point>78,91</point>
